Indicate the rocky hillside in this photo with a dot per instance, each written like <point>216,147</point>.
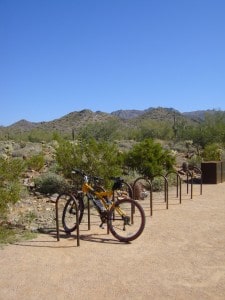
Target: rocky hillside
<point>78,119</point>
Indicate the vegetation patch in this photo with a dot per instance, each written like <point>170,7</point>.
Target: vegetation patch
<point>10,234</point>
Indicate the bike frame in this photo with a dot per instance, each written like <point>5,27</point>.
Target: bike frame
<point>88,190</point>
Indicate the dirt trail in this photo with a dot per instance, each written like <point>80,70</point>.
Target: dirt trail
<point>180,255</point>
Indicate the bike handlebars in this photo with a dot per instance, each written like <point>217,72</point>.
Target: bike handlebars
<point>95,178</point>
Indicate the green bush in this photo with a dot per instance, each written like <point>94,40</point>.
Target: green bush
<point>158,184</point>
<point>10,234</point>
<point>50,183</point>
<point>149,159</point>
<point>36,162</point>
<point>212,152</point>
<point>10,187</point>
<point>101,159</point>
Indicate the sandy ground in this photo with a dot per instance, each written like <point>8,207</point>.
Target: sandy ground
<point>180,255</point>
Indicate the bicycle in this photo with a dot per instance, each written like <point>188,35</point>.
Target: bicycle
<point>124,216</point>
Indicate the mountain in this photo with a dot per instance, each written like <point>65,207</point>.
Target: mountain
<point>128,114</point>
<point>155,113</point>
<point>72,121</point>
<point>199,114</point>
<point>23,125</point>
<point>79,119</point>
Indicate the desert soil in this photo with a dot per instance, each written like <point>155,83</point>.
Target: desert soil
<point>180,255</point>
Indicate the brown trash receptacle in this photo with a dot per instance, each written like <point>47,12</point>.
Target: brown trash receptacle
<point>223,171</point>
<point>211,172</point>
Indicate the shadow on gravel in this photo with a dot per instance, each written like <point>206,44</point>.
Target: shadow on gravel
<point>97,238</point>
<point>51,232</point>
<point>47,243</point>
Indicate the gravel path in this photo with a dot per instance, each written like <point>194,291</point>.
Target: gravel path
<point>180,255</point>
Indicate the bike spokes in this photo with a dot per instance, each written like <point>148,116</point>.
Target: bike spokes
<point>125,222</point>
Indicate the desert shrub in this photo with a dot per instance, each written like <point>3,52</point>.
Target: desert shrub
<point>212,152</point>
<point>10,187</point>
<point>50,183</point>
<point>195,161</point>
<point>10,234</point>
<point>149,158</point>
<point>101,159</point>
<point>36,162</point>
<point>107,131</point>
<point>158,184</point>
<point>39,135</point>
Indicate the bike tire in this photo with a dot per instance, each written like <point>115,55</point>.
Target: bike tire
<point>134,211</point>
<point>69,218</point>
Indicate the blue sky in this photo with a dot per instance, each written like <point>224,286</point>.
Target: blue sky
<point>59,56</point>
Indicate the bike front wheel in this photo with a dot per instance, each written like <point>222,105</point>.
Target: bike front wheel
<point>73,206</point>
<point>126,220</point>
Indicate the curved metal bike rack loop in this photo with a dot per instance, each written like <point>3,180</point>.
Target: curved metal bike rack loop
<point>77,219</point>
<point>150,184</point>
<point>179,183</point>
<point>188,172</point>
<point>165,187</point>
<point>200,171</point>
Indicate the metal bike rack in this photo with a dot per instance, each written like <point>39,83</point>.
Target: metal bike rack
<point>77,219</point>
<point>200,171</point>
<point>188,173</point>
<point>149,180</point>
<point>150,184</point>
<point>89,215</point>
<point>130,190</point>
<point>165,187</point>
<point>179,183</point>
<point>187,170</point>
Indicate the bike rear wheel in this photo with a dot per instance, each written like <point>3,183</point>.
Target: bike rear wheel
<point>126,220</point>
<point>69,215</point>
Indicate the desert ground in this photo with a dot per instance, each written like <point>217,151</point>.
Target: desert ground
<point>180,255</point>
